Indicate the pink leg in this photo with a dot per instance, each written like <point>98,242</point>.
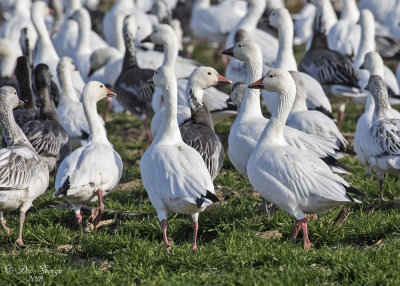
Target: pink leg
<point>19,241</point>
<point>148,133</point>
<point>164,231</point>
<point>195,226</point>
<point>297,227</point>
<point>311,216</point>
<point>78,218</point>
<point>3,224</point>
<point>100,209</point>
<point>341,108</point>
<point>105,115</point>
<point>307,243</point>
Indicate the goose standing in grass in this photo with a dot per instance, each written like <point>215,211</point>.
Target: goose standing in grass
<point>294,179</point>
<point>198,131</point>
<point>312,121</point>
<point>93,170</point>
<point>381,146</point>
<point>23,174</point>
<point>135,94</point>
<point>46,134</point>
<point>173,173</point>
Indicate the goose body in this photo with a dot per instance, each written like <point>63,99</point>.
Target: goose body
<point>23,174</point>
<point>84,176</point>
<point>294,179</point>
<point>173,173</point>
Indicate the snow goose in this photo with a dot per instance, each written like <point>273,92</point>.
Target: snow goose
<point>7,63</point>
<point>214,99</point>
<point>246,29</point>
<point>82,51</point>
<point>198,131</point>
<point>316,97</point>
<point>23,174</point>
<point>382,151</point>
<point>70,109</point>
<point>294,179</point>
<point>374,64</point>
<point>312,121</point>
<point>334,71</point>
<point>249,123</point>
<point>84,176</point>
<point>47,135</point>
<point>135,94</point>
<point>213,23</point>
<point>173,173</point>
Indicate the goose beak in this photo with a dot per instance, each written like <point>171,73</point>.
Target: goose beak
<point>362,67</point>
<point>257,84</point>
<point>223,80</point>
<point>92,70</point>
<point>150,81</point>
<point>266,20</point>
<point>51,11</point>
<point>147,39</point>
<point>21,104</point>
<point>229,52</point>
<point>110,93</point>
<point>229,101</point>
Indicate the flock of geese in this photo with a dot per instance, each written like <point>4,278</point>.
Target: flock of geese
<point>60,65</point>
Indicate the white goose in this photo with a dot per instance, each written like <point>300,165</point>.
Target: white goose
<point>23,174</point>
<point>294,179</point>
<point>84,176</point>
<point>250,122</point>
<point>214,22</point>
<point>173,173</point>
<point>316,97</point>
<point>382,149</point>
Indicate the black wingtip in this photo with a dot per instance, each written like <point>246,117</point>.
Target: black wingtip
<point>331,161</point>
<point>212,197</point>
<point>62,192</point>
<point>352,190</point>
<point>85,135</point>
<point>199,202</point>
<point>325,111</point>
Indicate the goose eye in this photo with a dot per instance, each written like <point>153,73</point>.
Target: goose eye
<point>15,92</point>
<point>240,45</point>
<point>209,73</point>
<point>101,86</point>
<point>271,76</point>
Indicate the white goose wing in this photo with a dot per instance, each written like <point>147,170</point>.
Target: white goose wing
<point>385,135</point>
<point>18,165</point>
<point>175,171</point>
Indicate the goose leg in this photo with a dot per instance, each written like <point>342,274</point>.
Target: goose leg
<point>19,241</point>
<point>3,223</point>
<point>342,107</point>
<point>100,209</point>
<point>195,227</point>
<point>380,181</point>
<point>307,243</point>
<point>148,133</point>
<point>297,227</point>
<point>164,231</point>
<point>78,216</point>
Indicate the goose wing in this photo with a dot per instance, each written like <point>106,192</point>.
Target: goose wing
<point>385,135</point>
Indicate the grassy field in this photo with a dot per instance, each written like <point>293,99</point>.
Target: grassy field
<point>238,244</point>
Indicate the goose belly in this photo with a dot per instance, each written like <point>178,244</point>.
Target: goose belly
<point>12,199</point>
<point>181,206</point>
<point>389,163</point>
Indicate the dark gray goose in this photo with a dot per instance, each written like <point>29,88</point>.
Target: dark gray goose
<point>23,174</point>
<point>134,93</point>
<point>46,134</point>
<point>334,71</point>
<point>198,130</point>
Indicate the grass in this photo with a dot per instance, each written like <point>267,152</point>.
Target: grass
<point>237,243</point>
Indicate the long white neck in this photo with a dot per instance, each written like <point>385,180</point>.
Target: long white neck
<point>71,6</point>
<point>7,63</point>
<point>299,104</point>
<point>40,26</point>
<point>84,27</point>
<point>326,14</point>
<point>350,11</point>
<point>251,107</point>
<point>367,42</point>
<point>249,21</point>
<point>119,21</point>
<point>68,93</point>
<point>201,4</point>
<point>285,59</point>
<point>23,8</point>
<point>97,132</point>
<point>170,51</point>
<point>169,132</point>
<point>273,132</point>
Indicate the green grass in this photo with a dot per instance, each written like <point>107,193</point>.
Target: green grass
<point>233,247</point>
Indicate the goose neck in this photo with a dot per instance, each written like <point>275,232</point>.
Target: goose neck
<point>199,112</point>
<point>350,11</point>
<point>97,132</point>
<point>201,4</point>
<point>273,132</point>
<point>48,110</point>
<point>170,52</point>
<point>25,90</point>
<point>84,28</point>
<point>71,6</point>
<point>299,105</point>
<point>6,66</point>
<point>367,42</point>
<point>285,57</point>
<point>68,93</point>
<point>169,130</point>
<point>40,26</point>
<point>14,136</point>
<point>130,53</point>
<point>381,110</point>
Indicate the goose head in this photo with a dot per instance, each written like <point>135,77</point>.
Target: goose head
<point>40,9</point>
<point>129,28</point>
<point>162,77</point>
<point>66,64</point>
<point>81,16</point>
<point>161,10</point>
<point>276,80</point>
<point>160,35</point>
<point>9,99</point>
<point>244,51</point>
<point>373,63</point>
<point>96,91</point>
<point>279,18</point>
<point>42,77</point>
